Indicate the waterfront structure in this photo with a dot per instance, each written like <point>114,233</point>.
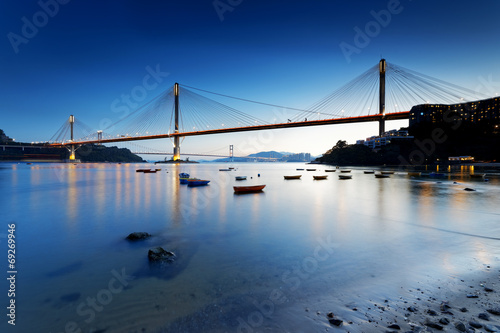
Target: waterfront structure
<point>482,111</point>
<point>384,139</point>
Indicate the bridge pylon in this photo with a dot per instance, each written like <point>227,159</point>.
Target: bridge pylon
<point>72,147</point>
<point>381,101</point>
<point>177,145</point>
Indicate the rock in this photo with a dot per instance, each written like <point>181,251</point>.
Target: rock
<point>444,321</point>
<point>483,316</point>
<point>475,324</point>
<point>469,189</point>
<point>329,315</point>
<point>444,306</point>
<point>394,327</point>
<point>434,325</point>
<point>412,309</point>
<point>487,289</point>
<point>463,309</point>
<point>138,236</point>
<point>472,296</point>
<point>432,312</point>
<point>160,254</point>
<point>495,311</point>
<point>448,313</point>
<point>335,321</point>
<point>489,328</point>
<point>460,326</point>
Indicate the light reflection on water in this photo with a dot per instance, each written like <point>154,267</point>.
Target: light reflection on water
<point>234,250</point>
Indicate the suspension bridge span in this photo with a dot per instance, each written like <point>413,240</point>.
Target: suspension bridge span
<point>382,93</point>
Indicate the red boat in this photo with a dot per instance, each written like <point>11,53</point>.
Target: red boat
<point>248,189</point>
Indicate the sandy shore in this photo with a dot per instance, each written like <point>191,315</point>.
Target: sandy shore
<point>460,304</point>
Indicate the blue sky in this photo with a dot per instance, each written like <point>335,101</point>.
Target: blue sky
<point>86,54</point>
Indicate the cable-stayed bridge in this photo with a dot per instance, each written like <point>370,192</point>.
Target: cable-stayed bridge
<point>384,92</point>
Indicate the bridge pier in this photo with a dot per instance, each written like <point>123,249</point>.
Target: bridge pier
<point>381,101</point>
<point>177,145</point>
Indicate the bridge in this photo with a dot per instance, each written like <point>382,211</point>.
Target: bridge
<point>384,92</point>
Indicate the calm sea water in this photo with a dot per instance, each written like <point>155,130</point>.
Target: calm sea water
<point>249,263</point>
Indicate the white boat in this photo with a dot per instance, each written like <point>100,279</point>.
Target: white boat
<point>345,176</point>
<point>241,177</point>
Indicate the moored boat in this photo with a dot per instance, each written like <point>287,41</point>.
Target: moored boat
<point>197,182</point>
<point>330,170</point>
<point>414,174</point>
<point>298,169</point>
<point>345,170</point>
<point>248,189</point>
<point>224,169</point>
<point>319,177</point>
<point>293,177</point>
<point>149,171</point>
<point>345,176</point>
<point>387,172</point>
<point>241,177</point>
<point>311,169</point>
<point>381,175</point>
<point>141,170</point>
<point>369,171</point>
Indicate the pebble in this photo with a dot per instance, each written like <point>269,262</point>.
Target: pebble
<point>463,309</point>
<point>475,324</point>
<point>432,312</point>
<point>488,289</point>
<point>460,326</point>
<point>444,321</point>
<point>412,309</point>
<point>434,325</point>
<point>472,296</point>
<point>483,316</point>
<point>394,327</point>
<point>495,311</point>
<point>489,328</point>
<point>336,322</point>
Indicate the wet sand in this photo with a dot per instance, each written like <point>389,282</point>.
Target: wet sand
<point>460,304</point>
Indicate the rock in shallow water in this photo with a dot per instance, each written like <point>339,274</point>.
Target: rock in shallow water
<point>475,324</point>
<point>138,236</point>
<point>495,311</point>
<point>160,254</point>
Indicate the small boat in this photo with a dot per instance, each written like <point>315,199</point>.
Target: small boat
<point>158,169</point>
<point>298,169</point>
<point>345,170</point>
<point>381,175</point>
<point>141,170</point>
<point>330,170</point>
<point>414,174</point>
<point>319,177</point>
<point>149,171</point>
<point>293,177</point>
<point>387,172</point>
<point>197,182</point>
<point>224,169</point>
<point>231,168</point>
<point>369,171</point>
<point>345,176</point>
<point>477,175</point>
<point>241,177</point>
<point>183,177</point>
<point>311,169</point>
<point>248,189</point>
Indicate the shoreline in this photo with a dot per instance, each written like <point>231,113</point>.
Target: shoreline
<point>458,304</point>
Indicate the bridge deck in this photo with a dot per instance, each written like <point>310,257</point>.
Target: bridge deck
<point>360,119</point>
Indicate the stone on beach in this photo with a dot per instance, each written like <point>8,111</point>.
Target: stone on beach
<point>160,254</point>
<point>138,236</point>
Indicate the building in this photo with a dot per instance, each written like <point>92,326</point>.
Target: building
<point>379,141</point>
<point>482,111</point>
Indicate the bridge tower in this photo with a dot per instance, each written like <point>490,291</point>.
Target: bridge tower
<point>381,101</point>
<point>72,147</point>
<point>177,146</point>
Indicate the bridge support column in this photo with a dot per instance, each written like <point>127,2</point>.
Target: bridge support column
<point>381,101</point>
<point>72,147</point>
<point>177,145</point>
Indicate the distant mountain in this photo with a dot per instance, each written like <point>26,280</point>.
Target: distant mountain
<point>268,154</point>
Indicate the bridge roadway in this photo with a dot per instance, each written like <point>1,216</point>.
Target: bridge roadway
<point>360,119</point>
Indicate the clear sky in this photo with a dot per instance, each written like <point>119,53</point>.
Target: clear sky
<point>60,57</point>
